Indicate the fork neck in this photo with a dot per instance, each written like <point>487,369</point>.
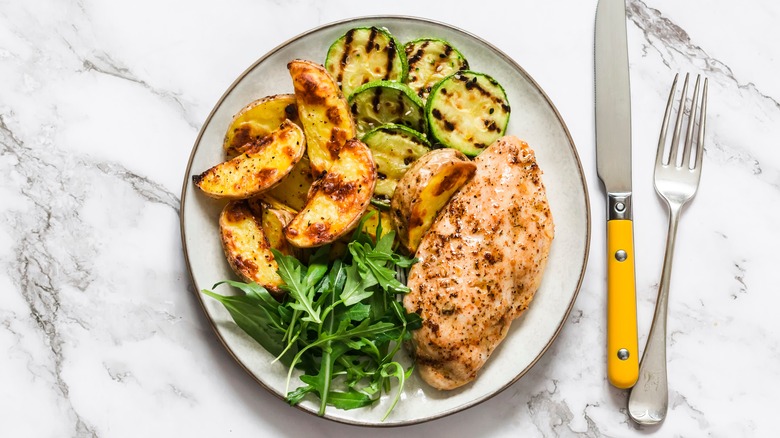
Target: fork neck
<point>619,206</point>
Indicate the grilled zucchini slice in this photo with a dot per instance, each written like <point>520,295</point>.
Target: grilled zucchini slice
<point>337,199</point>
<point>467,111</point>
<point>246,245</point>
<point>365,54</point>
<point>425,189</point>
<point>323,112</point>
<point>431,60</point>
<point>382,102</point>
<point>258,169</point>
<point>395,148</point>
<point>257,120</point>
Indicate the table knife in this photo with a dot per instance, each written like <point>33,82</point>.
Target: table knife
<point>613,156</point>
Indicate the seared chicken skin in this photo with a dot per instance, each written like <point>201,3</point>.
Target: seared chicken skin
<point>479,264</point>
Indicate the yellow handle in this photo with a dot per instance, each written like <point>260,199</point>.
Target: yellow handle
<point>622,370</point>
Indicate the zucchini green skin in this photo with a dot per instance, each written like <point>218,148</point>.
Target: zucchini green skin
<point>365,54</point>
<point>467,111</point>
<point>394,148</point>
<point>431,60</point>
<point>382,102</point>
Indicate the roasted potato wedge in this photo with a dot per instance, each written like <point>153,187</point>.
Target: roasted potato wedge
<point>292,191</point>
<point>323,111</point>
<point>247,247</point>
<point>257,120</point>
<point>273,221</point>
<point>425,189</point>
<point>337,200</point>
<point>258,169</point>
<point>274,203</point>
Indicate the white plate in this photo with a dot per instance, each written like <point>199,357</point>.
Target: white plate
<point>534,119</point>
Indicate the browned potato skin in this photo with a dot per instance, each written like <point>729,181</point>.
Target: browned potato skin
<point>323,111</point>
<point>337,200</point>
<point>258,169</point>
<point>258,119</point>
<point>425,189</point>
<point>246,246</point>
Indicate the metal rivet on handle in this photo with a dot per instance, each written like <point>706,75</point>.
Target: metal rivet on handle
<point>623,354</point>
<point>620,207</point>
<point>621,255</point>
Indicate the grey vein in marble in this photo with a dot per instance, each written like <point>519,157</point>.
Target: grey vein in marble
<point>677,400</point>
<point>43,267</point>
<point>672,37</point>
<point>39,273</point>
<point>554,417</point>
<point>668,38</point>
<point>108,66</point>
<point>145,187</point>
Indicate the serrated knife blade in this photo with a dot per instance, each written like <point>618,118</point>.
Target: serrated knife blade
<point>613,157</point>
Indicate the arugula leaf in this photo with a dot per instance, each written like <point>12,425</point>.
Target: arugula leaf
<point>318,266</point>
<point>330,353</point>
<point>340,399</point>
<point>257,321</point>
<point>385,243</point>
<point>340,323</point>
<point>295,397</point>
<point>356,312</point>
<point>394,369</point>
<point>321,383</point>
<point>253,290</point>
<point>349,399</point>
<point>297,285</point>
<point>358,285</point>
<point>376,260</point>
<point>359,235</point>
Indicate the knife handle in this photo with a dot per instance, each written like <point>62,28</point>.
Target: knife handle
<point>622,350</point>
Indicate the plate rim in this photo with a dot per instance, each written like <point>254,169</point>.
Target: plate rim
<point>572,146</point>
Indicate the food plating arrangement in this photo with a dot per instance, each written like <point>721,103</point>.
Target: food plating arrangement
<point>379,211</point>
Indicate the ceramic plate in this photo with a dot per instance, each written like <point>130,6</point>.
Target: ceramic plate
<point>534,119</point>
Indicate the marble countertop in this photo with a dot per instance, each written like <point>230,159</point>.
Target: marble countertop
<point>101,102</point>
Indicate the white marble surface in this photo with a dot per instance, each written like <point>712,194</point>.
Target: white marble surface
<point>100,103</point>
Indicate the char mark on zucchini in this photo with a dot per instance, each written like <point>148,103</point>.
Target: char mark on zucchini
<point>370,43</point>
<point>377,99</point>
<point>345,55</point>
<point>467,111</point>
<point>418,54</point>
<point>363,55</point>
<point>391,56</point>
<point>431,60</point>
<point>382,102</point>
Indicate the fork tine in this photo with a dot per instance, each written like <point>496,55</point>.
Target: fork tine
<point>686,155</point>
<point>659,155</point>
<point>678,125</point>
<point>700,136</point>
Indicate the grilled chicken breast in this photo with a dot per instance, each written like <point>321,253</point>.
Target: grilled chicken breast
<point>479,264</point>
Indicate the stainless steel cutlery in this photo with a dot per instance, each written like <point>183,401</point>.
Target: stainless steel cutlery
<point>677,175</point>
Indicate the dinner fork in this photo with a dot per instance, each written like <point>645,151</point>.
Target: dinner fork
<point>676,178</point>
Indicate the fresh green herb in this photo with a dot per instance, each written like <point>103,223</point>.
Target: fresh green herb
<point>340,323</point>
